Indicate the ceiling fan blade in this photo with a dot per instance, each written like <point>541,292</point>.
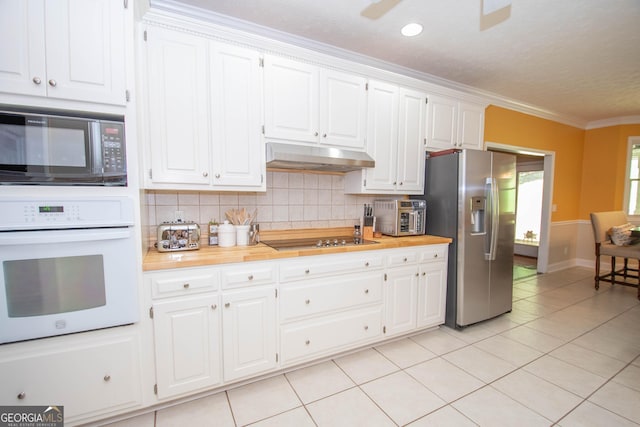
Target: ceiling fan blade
<point>378,8</point>
<point>493,12</point>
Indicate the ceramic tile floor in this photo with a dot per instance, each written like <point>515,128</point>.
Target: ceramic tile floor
<point>566,355</point>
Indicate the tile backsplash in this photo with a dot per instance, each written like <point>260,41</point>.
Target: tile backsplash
<point>292,200</point>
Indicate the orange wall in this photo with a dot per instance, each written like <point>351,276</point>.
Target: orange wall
<point>522,130</point>
<point>604,168</point>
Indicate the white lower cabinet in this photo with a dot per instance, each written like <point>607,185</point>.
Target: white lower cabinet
<point>215,326</point>
<point>249,332</point>
<point>401,289</point>
<point>415,289</point>
<point>90,374</point>
<point>187,344</point>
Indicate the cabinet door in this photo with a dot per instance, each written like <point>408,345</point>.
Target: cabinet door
<point>88,377</point>
<point>249,332</point>
<point>382,136</point>
<point>85,50</point>
<point>470,126</point>
<point>343,109</point>
<point>187,344</point>
<point>237,149</point>
<point>411,153</point>
<point>401,287</point>
<point>432,294</point>
<point>291,100</point>
<point>441,122</point>
<point>22,52</point>
<point>178,106</point>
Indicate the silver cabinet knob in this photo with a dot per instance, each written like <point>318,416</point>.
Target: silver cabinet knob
<point>315,134</point>
<point>306,271</point>
<point>401,183</point>
<point>227,305</point>
<point>404,259</point>
<point>107,378</point>
<point>417,274</point>
<point>366,264</point>
<point>250,277</point>
<point>366,328</point>
<point>435,255</point>
<point>217,176</point>
<point>186,286</point>
<point>424,273</point>
<point>394,182</point>
<point>22,395</point>
<point>324,135</point>
<point>205,174</point>
<point>307,342</point>
<point>307,301</point>
<point>37,80</point>
<point>214,306</point>
<point>53,83</point>
<point>366,291</point>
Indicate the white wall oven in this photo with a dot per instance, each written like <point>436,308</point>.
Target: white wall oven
<point>66,265</point>
<point>61,148</point>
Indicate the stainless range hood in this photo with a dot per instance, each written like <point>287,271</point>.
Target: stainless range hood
<point>303,157</point>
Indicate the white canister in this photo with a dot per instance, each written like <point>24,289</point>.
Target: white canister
<point>242,235</point>
<point>226,235</point>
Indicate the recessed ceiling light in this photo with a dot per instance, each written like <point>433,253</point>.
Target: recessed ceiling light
<point>411,30</point>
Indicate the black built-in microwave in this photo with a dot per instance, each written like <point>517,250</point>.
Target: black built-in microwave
<point>60,148</point>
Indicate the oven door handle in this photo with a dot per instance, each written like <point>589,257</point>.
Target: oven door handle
<point>63,236</point>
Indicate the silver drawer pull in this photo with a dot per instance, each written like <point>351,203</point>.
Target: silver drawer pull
<point>250,277</point>
<point>307,342</point>
<point>186,286</point>
<point>107,377</point>
<point>307,302</point>
<point>22,395</point>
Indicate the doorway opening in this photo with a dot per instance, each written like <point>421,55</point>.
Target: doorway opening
<point>532,252</point>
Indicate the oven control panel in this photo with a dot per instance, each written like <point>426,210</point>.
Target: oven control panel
<point>38,214</point>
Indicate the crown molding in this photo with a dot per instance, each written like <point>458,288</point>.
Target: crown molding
<point>615,121</point>
<point>247,30</point>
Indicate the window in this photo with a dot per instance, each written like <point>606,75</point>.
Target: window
<point>529,207</point>
<point>632,187</point>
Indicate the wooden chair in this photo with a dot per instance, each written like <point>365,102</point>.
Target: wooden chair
<point>602,222</point>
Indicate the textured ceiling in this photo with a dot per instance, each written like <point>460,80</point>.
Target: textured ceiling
<point>579,59</point>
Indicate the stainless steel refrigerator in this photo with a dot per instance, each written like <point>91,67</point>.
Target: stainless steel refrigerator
<point>471,197</point>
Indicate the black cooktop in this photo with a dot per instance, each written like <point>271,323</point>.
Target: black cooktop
<point>315,243</point>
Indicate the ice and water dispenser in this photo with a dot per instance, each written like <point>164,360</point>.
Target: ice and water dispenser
<point>478,210</point>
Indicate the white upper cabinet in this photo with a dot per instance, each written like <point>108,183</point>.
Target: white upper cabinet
<point>204,116</point>
<point>306,103</point>
<point>178,122</point>
<point>395,139</point>
<point>454,124</point>
<point>238,150</point>
<point>63,49</point>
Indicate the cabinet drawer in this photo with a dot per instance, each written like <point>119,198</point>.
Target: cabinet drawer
<point>315,267</point>
<point>433,253</point>
<point>401,258</point>
<point>248,275</point>
<point>178,283</point>
<point>305,340</point>
<point>86,379</point>
<point>323,296</point>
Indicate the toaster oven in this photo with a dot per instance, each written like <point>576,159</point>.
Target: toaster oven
<point>178,236</point>
<point>400,217</point>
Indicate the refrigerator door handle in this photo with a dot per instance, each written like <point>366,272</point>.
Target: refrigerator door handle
<point>495,218</point>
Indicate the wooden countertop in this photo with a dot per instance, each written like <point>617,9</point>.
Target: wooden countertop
<point>215,255</point>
